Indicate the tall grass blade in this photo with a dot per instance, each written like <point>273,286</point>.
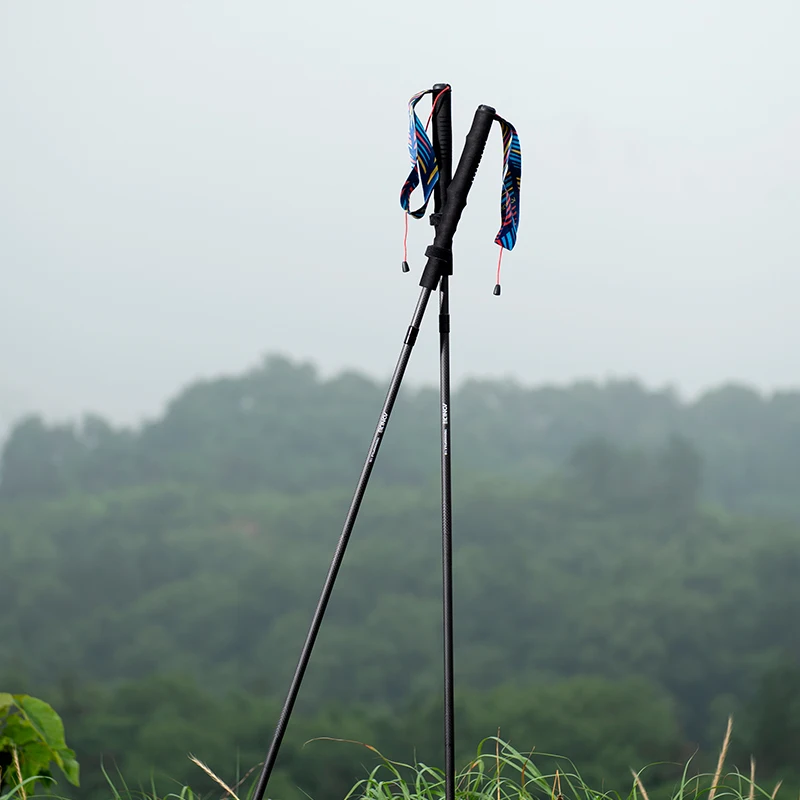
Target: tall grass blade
<point>720,763</point>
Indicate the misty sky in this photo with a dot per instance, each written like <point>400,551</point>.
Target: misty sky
<point>186,186</point>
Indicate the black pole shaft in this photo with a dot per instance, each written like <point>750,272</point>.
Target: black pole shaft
<point>447,541</point>
<point>443,148</point>
<point>316,622</point>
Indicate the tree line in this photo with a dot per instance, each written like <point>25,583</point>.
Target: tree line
<point>280,426</point>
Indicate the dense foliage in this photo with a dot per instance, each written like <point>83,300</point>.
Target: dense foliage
<point>625,576</point>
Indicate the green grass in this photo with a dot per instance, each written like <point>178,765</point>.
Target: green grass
<point>498,772</point>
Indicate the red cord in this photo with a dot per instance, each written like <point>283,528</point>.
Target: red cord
<point>433,106</point>
<point>499,261</point>
<point>405,238</point>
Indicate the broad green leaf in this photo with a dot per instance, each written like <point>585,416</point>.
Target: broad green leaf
<point>71,767</point>
<point>36,732</point>
<point>20,731</point>
<point>44,718</point>
<point>35,760</point>
<point>6,701</point>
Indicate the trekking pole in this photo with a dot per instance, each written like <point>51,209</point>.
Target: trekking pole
<point>443,149</point>
<point>439,261</point>
<point>506,238</point>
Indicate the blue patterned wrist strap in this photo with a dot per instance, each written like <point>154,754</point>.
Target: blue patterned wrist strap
<point>510,194</point>
<point>512,182</point>
<point>424,169</point>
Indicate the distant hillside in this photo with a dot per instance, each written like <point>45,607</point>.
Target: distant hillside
<point>281,427</point>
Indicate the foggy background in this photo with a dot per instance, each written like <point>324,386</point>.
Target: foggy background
<point>186,186</point>
<point>201,237</point>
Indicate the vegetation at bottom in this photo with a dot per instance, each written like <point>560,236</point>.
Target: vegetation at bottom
<point>625,578</point>
<point>497,771</point>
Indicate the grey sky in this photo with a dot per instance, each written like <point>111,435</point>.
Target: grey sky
<point>185,186</point>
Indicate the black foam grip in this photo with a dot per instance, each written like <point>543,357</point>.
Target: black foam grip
<point>459,189</point>
<point>465,175</point>
<point>442,140</point>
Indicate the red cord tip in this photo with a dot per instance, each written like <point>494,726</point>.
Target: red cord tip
<point>405,242</point>
<point>497,282</point>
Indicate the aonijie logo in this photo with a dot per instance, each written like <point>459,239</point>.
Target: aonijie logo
<point>378,433</point>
